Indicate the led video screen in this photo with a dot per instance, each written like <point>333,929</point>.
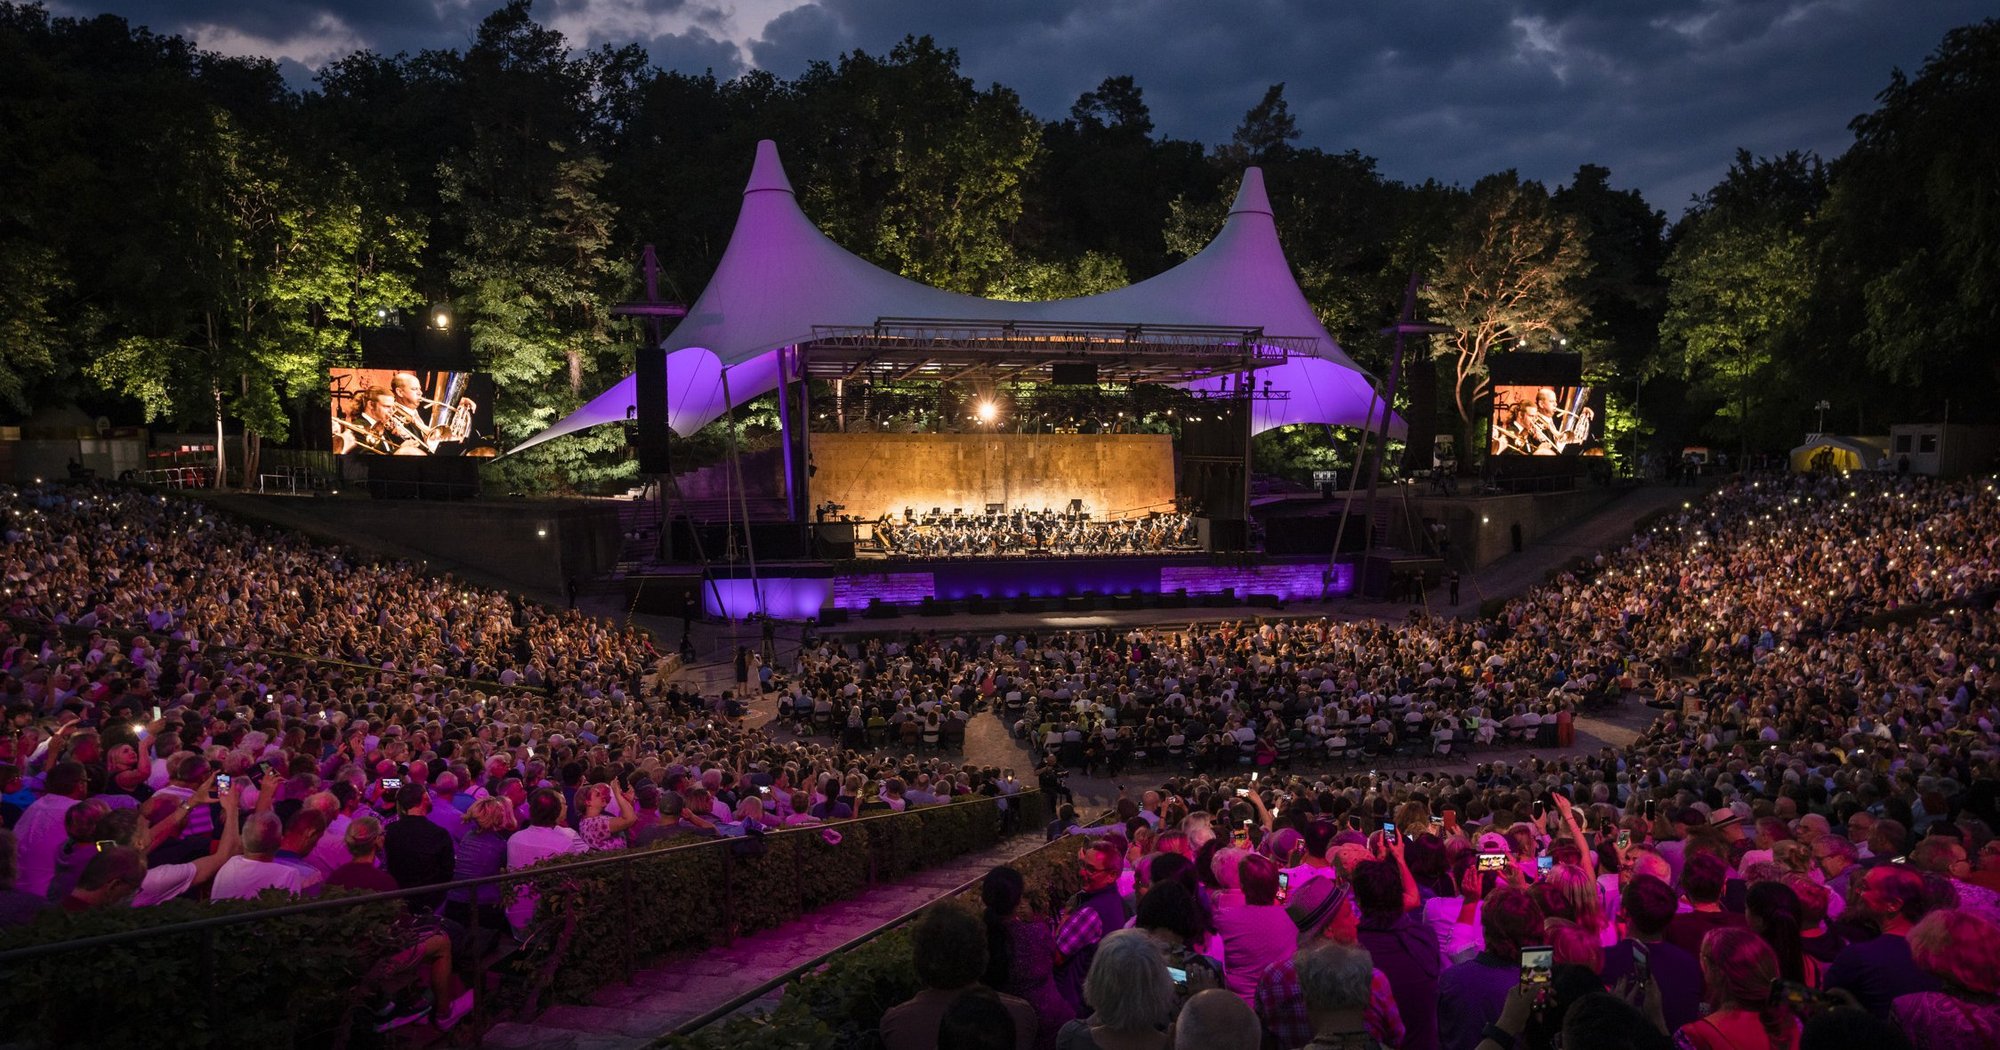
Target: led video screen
<point>411,412</point>
<point>1546,420</point>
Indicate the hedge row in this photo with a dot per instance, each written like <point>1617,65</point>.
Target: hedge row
<point>290,979</point>
<point>840,1005</point>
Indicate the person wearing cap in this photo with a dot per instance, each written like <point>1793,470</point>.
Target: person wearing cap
<point>1322,912</point>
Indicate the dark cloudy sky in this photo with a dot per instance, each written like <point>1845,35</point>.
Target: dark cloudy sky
<point>1660,91</point>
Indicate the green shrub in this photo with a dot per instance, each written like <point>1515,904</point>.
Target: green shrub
<point>840,1005</point>
<point>277,983</point>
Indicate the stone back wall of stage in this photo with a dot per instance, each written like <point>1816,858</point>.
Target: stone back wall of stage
<point>1116,475</point>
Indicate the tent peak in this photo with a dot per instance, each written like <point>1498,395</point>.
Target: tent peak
<point>768,173</point>
<point>1251,198</point>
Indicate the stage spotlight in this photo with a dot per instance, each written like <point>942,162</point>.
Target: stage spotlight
<point>988,411</point>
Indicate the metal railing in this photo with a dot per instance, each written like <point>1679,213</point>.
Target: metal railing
<point>622,861</point>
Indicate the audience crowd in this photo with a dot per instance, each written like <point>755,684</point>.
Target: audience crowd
<point>199,709</point>
<point>1798,851</point>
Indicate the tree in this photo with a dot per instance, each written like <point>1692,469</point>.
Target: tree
<point>910,166</point>
<point>1622,294</point>
<point>1088,274</point>
<point>1504,276</point>
<point>1911,233</point>
<point>1738,280</point>
<point>1267,131</point>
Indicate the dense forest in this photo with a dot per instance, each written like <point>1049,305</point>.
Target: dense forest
<point>184,238</point>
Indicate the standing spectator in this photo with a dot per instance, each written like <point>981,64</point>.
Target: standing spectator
<point>1216,1020</point>
<point>1773,910</point>
<point>1876,971</point>
<point>1962,950</point>
<point>1021,953</point>
<point>948,950</point>
<point>1324,913</point>
<point>1257,932</point>
<point>1648,906</point>
<point>1738,969</point>
<point>1472,993</point>
<point>1336,980</point>
<point>1096,910</point>
<point>1131,995</point>
<point>419,853</point>
<point>1403,946</point>
<point>1702,881</point>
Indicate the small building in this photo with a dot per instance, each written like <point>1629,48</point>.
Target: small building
<point>1944,450</point>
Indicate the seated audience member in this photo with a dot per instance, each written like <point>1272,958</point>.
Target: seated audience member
<point>166,881</point>
<point>948,949</point>
<point>1336,980</point>
<point>417,852</point>
<point>482,852</point>
<point>109,880</point>
<point>1739,971</point>
<point>363,871</point>
<point>1130,995</point>
<point>257,868</point>
<point>17,907</point>
<point>1703,879</point>
<point>1471,994</point>
<point>1216,1020</point>
<point>1647,905</point>
<point>1961,950</point>
<point>545,836</point>
<point>1892,898</point>
<point>302,834</point>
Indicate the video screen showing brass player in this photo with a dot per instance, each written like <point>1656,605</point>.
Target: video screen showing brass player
<point>411,412</point>
<point>1536,420</point>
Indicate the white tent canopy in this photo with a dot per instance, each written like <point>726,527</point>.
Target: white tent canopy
<point>780,278</point>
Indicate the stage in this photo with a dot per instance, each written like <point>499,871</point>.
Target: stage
<point>801,590</point>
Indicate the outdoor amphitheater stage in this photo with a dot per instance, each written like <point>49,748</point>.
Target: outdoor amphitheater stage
<point>803,590</point>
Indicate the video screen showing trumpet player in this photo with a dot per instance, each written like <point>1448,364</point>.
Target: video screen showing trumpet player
<point>411,412</point>
<point>1543,420</point>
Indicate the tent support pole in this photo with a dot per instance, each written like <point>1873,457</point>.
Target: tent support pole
<point>742,497</point>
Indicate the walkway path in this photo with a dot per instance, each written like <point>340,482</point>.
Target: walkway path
<point>674,991</point>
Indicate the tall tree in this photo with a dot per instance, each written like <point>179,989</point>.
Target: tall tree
<point>1267,131</point>
<point>1504,277</point>
<point>1737,283</point>
<point>1912,229</point>
<point>911,166</point>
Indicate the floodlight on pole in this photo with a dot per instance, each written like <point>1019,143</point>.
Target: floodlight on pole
<point>988,411</point>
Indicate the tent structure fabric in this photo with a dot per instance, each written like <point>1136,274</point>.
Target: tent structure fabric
<point>780,277</point>
<point>1842,453</point>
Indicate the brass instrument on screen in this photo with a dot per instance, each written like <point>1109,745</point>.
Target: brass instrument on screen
<point>455,423</point>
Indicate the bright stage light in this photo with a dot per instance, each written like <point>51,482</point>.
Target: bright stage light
<point>988,411</point>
